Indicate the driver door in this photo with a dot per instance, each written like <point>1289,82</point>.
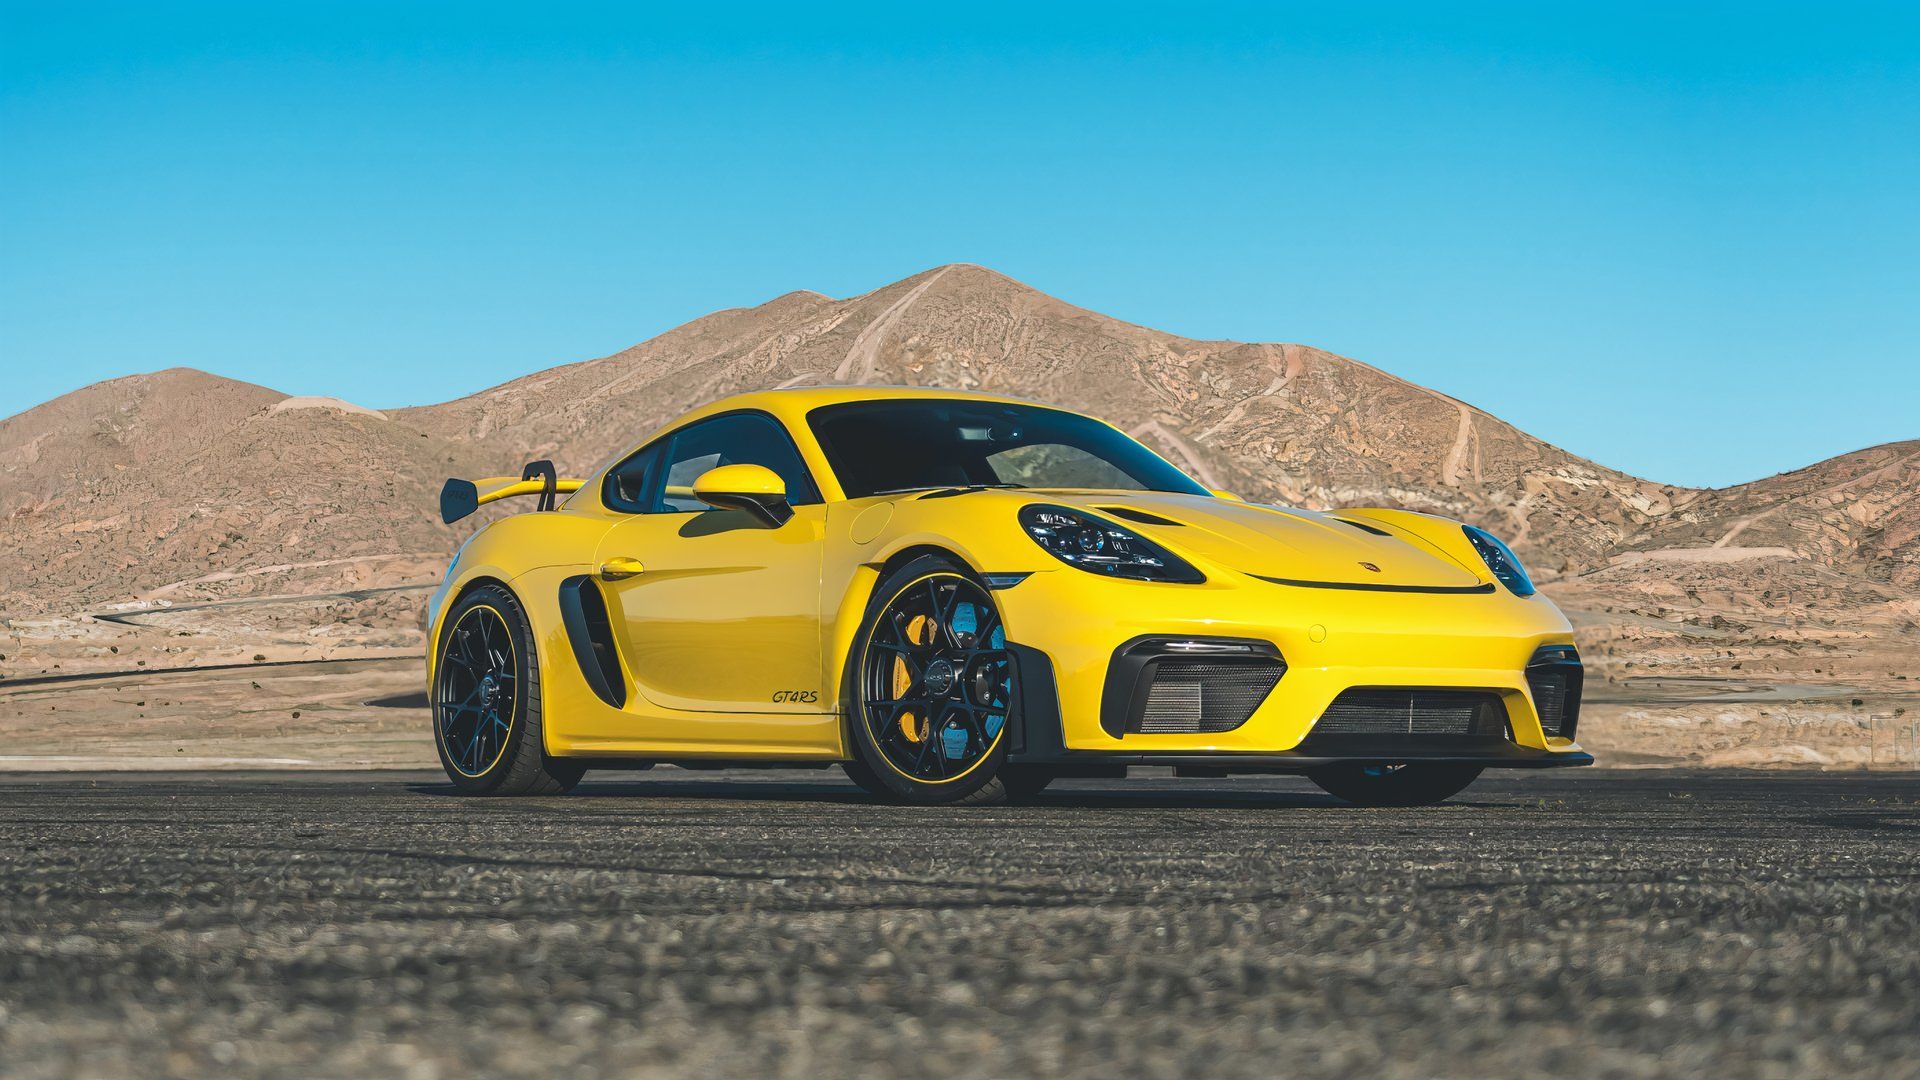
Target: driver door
<point>723,615</point>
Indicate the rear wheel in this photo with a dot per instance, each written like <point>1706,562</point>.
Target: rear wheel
<point>1415,784</point>
<point>932,688</point>
<point>486,701</point>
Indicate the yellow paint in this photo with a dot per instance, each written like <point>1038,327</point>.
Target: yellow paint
<point>620,568</point>
<point>734,639</point>
<point>510,487</point>
<point>738,480</point>
<point>871,522</point>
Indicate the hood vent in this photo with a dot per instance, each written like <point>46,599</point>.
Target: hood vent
<point>1363,528</point>
<point>1140,516</point>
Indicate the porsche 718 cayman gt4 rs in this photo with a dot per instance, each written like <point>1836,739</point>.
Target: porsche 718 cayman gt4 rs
<point>959,597</point>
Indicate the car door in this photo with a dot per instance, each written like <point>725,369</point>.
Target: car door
<point>723,613</point>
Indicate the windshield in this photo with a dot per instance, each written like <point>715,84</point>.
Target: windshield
<point>878,447</point>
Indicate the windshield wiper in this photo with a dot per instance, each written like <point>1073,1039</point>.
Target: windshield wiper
<point>941,491</point>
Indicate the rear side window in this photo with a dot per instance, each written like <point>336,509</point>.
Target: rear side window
<point>734,439</point>
<point>629,484</point>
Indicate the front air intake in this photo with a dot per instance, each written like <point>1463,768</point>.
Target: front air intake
<point>1555,675</point>
<point>1191,697</point>
<point>1187,686</point>
<point>1413,711</point>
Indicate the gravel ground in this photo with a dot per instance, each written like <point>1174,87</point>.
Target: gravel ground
<point>1584,923</point>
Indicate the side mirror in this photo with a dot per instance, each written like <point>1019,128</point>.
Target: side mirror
<point>754,488</point>
<point>1228,495</point>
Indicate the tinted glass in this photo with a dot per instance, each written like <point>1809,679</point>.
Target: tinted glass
<point>735,439</point>
<point>881,446</point>
<point>627,486</point>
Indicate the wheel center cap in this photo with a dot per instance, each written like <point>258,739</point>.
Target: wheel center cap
<point>939,678</point>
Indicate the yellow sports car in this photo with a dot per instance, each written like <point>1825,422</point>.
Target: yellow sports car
<point>958,598</point>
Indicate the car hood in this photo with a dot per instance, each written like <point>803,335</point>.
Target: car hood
<point>1275,542</point>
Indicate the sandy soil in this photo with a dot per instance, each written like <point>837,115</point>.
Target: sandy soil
<point>335,681</point>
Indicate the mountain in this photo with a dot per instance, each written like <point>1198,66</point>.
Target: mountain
<point>1270,421</point>
<point>188,483</point>
<point>191,485</point>
<point>1858,510</point>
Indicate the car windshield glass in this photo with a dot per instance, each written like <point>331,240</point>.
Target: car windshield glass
<point>877,447</point>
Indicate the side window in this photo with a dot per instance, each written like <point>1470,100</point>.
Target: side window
<point>628,483</point>
<point>735,439</point>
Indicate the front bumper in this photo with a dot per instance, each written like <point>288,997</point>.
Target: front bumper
<point>1070,627</point>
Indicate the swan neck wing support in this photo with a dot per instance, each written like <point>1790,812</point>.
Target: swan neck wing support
<point>460,498</point>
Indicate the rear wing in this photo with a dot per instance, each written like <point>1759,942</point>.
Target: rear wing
<point>460,498</point>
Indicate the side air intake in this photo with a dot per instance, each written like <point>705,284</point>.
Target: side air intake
<point>583,611</point>
<point>1555,675</point>
<point>1187,686</point>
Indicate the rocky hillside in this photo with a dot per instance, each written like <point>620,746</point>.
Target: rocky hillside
<point>1859,511</point>
<point>185,485</point>
<point>191,485</point>
<point>1274,422</point>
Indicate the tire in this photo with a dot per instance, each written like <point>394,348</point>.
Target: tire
<point>930,689</point>
<point>1415,784</point>
<point>1023,782</point>
<point>867,780</point>
<point>485,696</point>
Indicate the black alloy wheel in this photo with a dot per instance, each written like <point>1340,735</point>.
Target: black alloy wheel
<point>936,688</point>
<point>486,701</point>
<point>474,701</point>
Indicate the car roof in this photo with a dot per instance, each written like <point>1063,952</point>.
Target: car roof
<point>793,403</point>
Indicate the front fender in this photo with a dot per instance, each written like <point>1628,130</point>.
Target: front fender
<point>508,550</point>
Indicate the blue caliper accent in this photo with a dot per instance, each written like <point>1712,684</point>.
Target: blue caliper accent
<point>953,741</point>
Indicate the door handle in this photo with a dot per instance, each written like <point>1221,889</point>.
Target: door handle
<point>617,569</point>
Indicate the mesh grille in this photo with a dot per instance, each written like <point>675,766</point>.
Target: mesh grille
<point>1549,698</point>
<point>1413,712</point>
<point>1190,697</point>
<point>1554,676</point>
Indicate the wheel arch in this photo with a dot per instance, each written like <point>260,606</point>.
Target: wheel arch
<point>853,612</point>
<point>911,552</point>
<point>860,602</point>
<point>453,597</point>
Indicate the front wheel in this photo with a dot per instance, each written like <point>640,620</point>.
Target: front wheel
<point>1023,782</point>
<point>1416,784</point>
<point>486,701</point>
<point>931,688</point>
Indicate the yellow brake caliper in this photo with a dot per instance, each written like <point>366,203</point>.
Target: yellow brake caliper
<point>920,632</point>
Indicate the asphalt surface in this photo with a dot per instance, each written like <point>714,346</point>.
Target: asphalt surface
<point>1574,923</point>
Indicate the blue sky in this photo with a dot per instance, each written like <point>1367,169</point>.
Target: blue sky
<point>1679,239</point>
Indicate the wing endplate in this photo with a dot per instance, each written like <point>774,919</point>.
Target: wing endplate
<point>460,498</point>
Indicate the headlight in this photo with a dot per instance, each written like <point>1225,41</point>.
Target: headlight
<point>1501,560</point>
<point>1101,547</point>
